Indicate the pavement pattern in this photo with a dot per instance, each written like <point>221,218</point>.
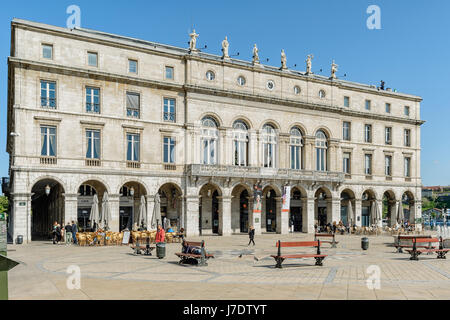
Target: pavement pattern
<point>238,272</point>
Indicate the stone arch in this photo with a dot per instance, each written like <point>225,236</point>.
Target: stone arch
<point>273,186</point>
<point>246,120</point>
<point>213,115</point>
<point>272,122</point>
<point>130,180</point>
<point>48,177</point>
<point>300,126</point>
<point>92,178</point>
<point>325,129</point>
<point>371,192</point>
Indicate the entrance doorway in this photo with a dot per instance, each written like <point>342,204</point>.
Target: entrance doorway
<point>125,218</point>
<point>322,216</point>
<point>243,205</point>
<point>271,212</point>
<point>215,213</point>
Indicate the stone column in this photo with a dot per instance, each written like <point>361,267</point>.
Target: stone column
<point>225,216</point>
<point>335,210</point>
<point>308,207</point>
<point>358,212</point>
<point>418,213</point>
<point>70,207</point>
<point>21,202</point>
<point>114,206</point>
<point>253,149</point>
<point>150,208</point>
<point>333,156</point>
<point>254,216</point>
<point>284,151</point>
<point>393,213</point>
<point>379,204</point>
<point>282,217</point>
<point>309,153</point>
<point>192,216</point>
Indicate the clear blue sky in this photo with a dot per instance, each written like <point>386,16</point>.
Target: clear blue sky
<point>410,52</point>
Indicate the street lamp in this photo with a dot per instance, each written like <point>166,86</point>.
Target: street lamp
<point>132,191</point>
<point>47,190</point>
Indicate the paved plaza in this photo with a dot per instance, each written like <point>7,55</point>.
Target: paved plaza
<point>115,273</point>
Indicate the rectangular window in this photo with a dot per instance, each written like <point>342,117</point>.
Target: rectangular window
<point>93,144</point>
<point>407,138</point>
<point>92,100</point>
<point>47,51</point>
<point>132,66</point>
<point>368,164</point>
<point>48,141</point>
<point>368,133</point>
<point>169,73</point>
<point>169,110</point>
<point>388,135</point>
<point>406,111</point>
<point>346,131</point>
<point>388,108</point>
<point>133,140</point>
<point>388,165</point>
<point>408,167</point>
<point>93,59</point>
<point>367,104</point>
<point>133,105</point>
<point>169,150</point>
<point>48,94</point>
<point>347,102</point>
<point>346,163</point>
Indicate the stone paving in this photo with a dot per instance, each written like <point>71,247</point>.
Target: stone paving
<point>115,273</point>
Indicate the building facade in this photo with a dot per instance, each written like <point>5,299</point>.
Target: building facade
<point>90,113</point>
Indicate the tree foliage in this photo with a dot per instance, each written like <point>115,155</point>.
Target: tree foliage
<point>3,204</point>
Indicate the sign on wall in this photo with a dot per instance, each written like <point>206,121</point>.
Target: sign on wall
<point>286,199</point>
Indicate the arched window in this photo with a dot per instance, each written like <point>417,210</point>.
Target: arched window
<point>296,148</point>
<point>269,143</point>
<point>209,141</point>
<point>86,190</point>
<point>321,151</point>
<point>240,137</point>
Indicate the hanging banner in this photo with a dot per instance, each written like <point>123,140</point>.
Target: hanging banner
<point>257,196</point>
<point>286,199</point>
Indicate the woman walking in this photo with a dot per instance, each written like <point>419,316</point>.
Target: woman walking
<point>251,235</point>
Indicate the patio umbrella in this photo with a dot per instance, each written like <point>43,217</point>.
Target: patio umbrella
<point>400,215</point>
<point>94,217</point>
<point>142,219</point>
<point>350,213</point>
<point>106,212</point>
<point>156,217</point>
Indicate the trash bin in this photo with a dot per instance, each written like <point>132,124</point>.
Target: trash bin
<point>19,240</point>
<point>160,250</point>
<point>365,243</point>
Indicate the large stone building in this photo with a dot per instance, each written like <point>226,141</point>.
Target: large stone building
<point>95,113</point>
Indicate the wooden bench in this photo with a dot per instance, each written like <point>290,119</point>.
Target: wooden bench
<point>399,246</point>
<point>414,252</point>
<point>147,249</point>
<point>333,242</point>
<point>279,258</point>
<point>200,258</point>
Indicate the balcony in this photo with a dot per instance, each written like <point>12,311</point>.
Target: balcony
<point>93,163</point>
<point>133,165</point>
<point>260,172</point>
<point>48,160</point>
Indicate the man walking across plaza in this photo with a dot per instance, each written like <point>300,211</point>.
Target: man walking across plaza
<point>251,235</point>
<point>74,232</point>
<point>68,233</point>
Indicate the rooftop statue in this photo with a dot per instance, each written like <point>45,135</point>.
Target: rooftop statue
<point>193,41</point>
<point>225,46</point>
<point>255,55</point>
<point>309,63</point>
<point>334,69</point>
<point>283,60</point>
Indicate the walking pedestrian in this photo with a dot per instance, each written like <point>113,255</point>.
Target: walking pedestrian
<point>68,232</point>
<point>251,235</point>
<point>74,232</point>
